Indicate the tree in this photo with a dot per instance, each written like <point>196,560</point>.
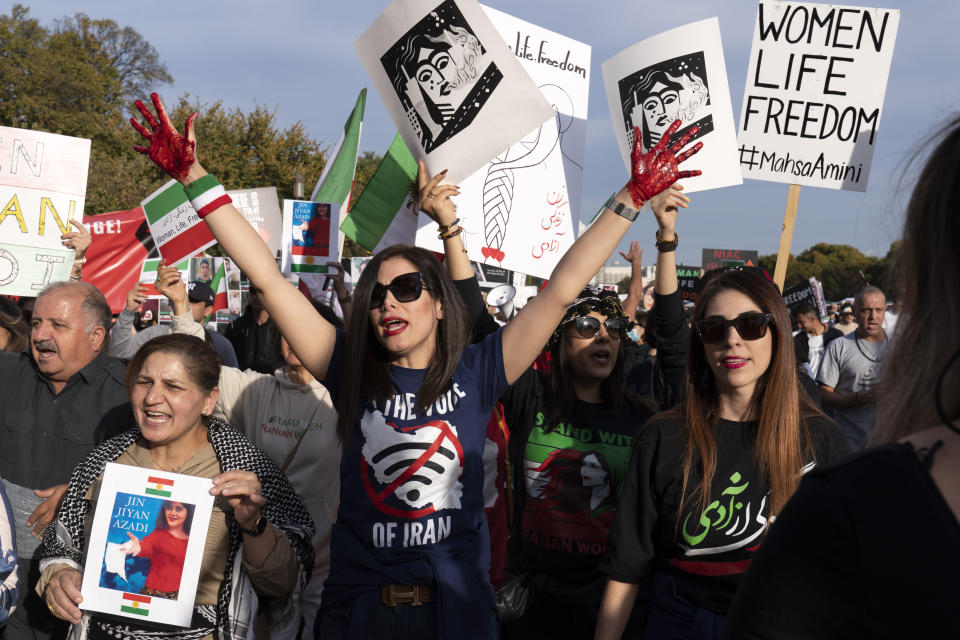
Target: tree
<point>135,61</point>
<point>837,266</point>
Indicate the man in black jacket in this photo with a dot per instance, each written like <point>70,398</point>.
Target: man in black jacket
<point>254,337</point>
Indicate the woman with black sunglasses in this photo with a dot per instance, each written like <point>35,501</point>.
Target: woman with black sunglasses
<point>571,433</point>
<point>410,550</point>
<point>705,480</point>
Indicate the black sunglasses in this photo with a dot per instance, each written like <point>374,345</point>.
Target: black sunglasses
<point>589,326</point>
<point>750,326</point>
<point>406,287</point>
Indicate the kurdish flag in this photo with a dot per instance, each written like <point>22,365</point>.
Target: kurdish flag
<point>219,286</point>
<point>380,217</point>
<point>157,486</point>
<point>135,603</point>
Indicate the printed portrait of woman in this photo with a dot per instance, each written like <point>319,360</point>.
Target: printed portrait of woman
<point>674,89</point>
<point>165,547</point>
<point>441,75</point>
<point>573,482</point>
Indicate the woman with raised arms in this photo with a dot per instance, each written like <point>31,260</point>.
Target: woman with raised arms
<point>410,547</point>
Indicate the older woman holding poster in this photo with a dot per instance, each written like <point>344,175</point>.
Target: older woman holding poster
<point>172,382</point>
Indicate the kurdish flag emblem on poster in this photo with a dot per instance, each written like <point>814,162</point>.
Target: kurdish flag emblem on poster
<point>309,235</point>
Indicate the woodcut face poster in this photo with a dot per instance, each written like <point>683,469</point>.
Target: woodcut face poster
<point>146,545</point>
<point>453,89</point>
<point>815,88</point>
<point>676,75</point>
<point>519,210</point>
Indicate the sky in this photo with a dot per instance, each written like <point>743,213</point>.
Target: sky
<point>297,57</point>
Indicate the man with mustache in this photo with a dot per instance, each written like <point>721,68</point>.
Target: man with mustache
<point>58,400</point>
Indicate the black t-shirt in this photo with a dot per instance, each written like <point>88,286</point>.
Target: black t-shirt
<point>706,553</point>
<point>566,480</point>
<point>865,549</point>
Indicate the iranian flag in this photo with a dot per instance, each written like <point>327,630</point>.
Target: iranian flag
<point>381,217</point>
<point>336,181</point>
<point>219,286</point>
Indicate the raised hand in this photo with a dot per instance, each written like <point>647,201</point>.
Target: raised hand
<point>78,240</point>
<point>635,254</point>
<point>172,152</point>
<point>169,284</point>
<point>666,205</point>
<point>654,171</point>
<point>135,297</point>
<point>434,198</point>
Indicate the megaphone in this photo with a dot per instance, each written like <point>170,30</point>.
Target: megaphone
<point>501,296</point>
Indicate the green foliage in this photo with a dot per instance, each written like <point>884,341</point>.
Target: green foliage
<point>838,267</point>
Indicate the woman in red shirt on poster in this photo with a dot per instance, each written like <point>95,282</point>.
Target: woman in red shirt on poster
<point>166,548</point>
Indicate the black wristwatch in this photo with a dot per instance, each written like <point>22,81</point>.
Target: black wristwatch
<point>258,528</point>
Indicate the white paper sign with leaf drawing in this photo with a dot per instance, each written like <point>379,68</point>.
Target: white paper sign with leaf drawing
<point>815,89</point>
<point>43,183</point>
<point>519,211</point>
<point>676,75</point>
<point>454,91</point>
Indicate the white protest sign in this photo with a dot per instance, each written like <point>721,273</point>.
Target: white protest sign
<point>815,89</point>
<point>43,183</point>
<point>310,234</point>
<point>146,545</point>
<point>174,224</point>
<point>518,211</point>
<point>261,208</point>
<point>676,75</point>
<point>454,91</point>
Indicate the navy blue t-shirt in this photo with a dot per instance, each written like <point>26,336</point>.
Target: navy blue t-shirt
<point>411,491</point>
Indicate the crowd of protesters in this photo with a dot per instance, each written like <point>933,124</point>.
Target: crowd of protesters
<point>587,467</point>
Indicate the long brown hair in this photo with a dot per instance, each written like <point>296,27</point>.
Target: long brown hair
<point>366,364</point>
<point>783,443</point>
<point>926,332</point>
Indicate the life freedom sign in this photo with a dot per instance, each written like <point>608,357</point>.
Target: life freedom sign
<point>43,183</point>
<point>814,93</point>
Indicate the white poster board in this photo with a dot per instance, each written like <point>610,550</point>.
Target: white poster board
<point>677,74</point>
<point>310,235</point>
<point>261,208</point>
<point>43,184</point>
<point>815,88</point>
<point>454,91</point>
<point>518,211</point>
<point>143,518</point>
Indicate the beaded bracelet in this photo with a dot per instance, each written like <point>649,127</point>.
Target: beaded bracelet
<point>450,234</point>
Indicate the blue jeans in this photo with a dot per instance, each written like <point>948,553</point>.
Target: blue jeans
<point>670,616</point>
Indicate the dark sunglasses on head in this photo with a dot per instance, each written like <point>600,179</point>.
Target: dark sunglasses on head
<point>588,326</point>
<point>406,287</point>
<point>750,326</point>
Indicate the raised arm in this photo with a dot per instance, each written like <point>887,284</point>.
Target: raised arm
<point>435,202</point>
<point>525,335</point>
<point>665,206</point>
<point>311,337</point>
<point>635,292</point>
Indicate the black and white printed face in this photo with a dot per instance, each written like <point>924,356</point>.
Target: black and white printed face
<point>676,89</point>
<point>441,73</point>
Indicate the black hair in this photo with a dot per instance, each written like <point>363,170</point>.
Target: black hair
<point>366,374</point>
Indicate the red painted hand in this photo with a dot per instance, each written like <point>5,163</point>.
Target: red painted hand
<point>656,170</point>
<point>172,152</point>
